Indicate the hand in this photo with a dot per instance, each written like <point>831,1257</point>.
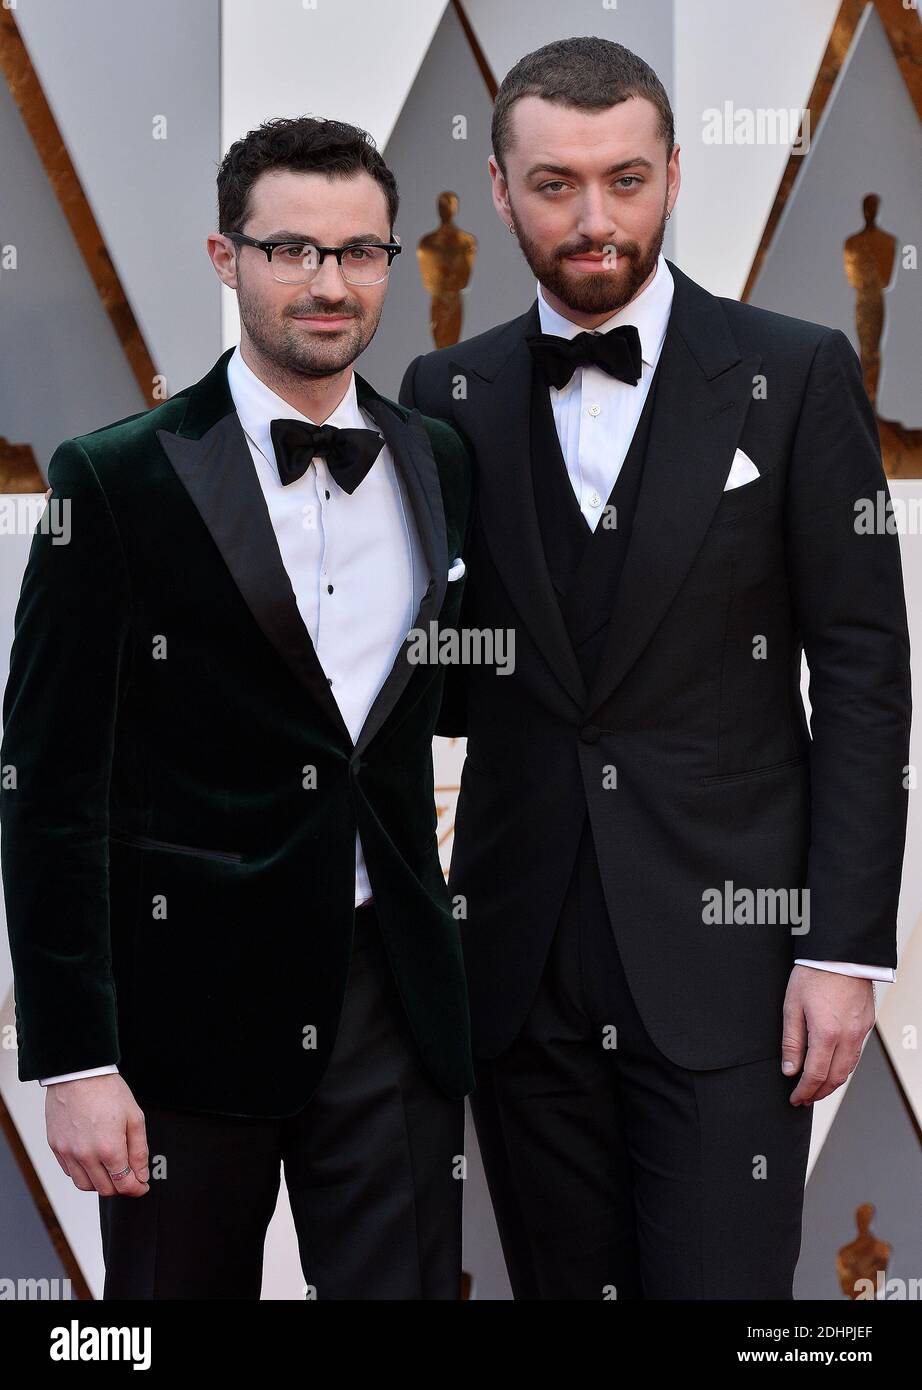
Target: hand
<point>95,1128</point>
<point>829,1015</point>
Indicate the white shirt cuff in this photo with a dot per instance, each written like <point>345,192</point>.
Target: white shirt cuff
<point>76,1075</point>
<point>847,967</point>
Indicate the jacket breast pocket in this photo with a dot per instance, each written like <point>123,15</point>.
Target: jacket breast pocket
<point>740,502</point>
<point>451,603</point>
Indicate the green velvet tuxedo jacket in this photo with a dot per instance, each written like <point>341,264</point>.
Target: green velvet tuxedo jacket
<point>180,793</point>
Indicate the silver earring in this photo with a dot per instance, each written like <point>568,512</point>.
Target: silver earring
<point>512,228</point>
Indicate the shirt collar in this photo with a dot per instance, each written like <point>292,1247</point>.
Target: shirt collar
<point>258,405</point>
<point>649,313</point>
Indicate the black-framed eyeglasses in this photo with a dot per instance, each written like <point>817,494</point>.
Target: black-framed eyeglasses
<point>297,262</point>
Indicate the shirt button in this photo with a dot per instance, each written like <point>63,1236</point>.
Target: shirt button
<point>326,495</point>
<point>595,410</point>
<point>595,500</point>
<point>329,588</point>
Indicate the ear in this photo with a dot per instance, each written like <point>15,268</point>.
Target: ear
<point>499,191</point>
<point>223,258</point>
<point>673,178</point>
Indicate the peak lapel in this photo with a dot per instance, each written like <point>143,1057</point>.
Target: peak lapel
<point>703,392</point>
<point>496,416</point>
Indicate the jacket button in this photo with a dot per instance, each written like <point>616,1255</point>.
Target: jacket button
<point>589,733</point>
<point>355,763</point>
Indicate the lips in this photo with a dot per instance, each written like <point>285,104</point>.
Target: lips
<point>323,323</point>
<point>590,262</point>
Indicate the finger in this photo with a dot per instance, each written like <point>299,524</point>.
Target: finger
<point>61,1164</point>
<point>816,1070</point>
<point>99,1177</point>
<point>844,1061</point>
<point>78,1175</point>
<point>138,1155</point>
<point>793,1040</point>
<point>118,1169</point>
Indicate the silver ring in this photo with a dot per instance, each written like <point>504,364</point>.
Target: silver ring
<point>123,1174</point>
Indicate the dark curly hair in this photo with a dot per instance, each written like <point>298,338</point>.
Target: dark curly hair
<point>306,145</point>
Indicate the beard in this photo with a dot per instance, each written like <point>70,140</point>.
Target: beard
<point>595,292</point>
<point>289,349</point>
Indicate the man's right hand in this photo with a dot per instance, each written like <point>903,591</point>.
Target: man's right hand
<point>95,1128</point>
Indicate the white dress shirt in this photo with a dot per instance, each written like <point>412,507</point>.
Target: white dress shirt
<point>595,414</point>
<point>354,559</point>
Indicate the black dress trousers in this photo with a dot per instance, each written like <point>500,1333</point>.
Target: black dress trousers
<point>372,1167</point>
<point>615,1173</point>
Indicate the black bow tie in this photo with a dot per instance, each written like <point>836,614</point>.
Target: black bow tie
<point>349,453</point>
<point>616,352</point>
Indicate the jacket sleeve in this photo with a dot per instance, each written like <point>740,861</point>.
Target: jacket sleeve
<point>407,394</point>
<point>59,712</point>
<point>452,719</point>
<point>847,592</point>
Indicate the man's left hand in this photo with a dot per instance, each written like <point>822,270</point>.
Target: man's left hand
<point>827,1017</point>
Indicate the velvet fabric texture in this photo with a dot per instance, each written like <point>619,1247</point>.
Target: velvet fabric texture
<point>181,794</point>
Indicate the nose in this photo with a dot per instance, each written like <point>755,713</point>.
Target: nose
<point>594,221</point>
<point>328,283</point>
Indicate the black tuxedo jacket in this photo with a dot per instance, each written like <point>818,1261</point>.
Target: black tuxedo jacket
<point>179,897</point>
<point>718,780</point>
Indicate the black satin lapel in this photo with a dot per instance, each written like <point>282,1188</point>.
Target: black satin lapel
<point>413,458</point>
<point>218,473</point>
<point>693,434</point>
<point>495,416</point>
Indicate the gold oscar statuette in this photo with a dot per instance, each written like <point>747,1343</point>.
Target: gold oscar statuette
<point>18,469</point>
<point>869,256</point>
<point>446,259</point>
<point>864,1257</point>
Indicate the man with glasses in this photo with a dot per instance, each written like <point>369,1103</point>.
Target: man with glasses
<point>222,880</point>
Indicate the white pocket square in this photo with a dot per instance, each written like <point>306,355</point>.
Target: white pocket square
<point>742,470</point>
<point>457,569</point>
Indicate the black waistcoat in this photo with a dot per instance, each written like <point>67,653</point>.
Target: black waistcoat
<point>584,565</point>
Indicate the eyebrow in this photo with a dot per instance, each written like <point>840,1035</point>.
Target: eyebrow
<point>366,238</point>
<point>637,162</point>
